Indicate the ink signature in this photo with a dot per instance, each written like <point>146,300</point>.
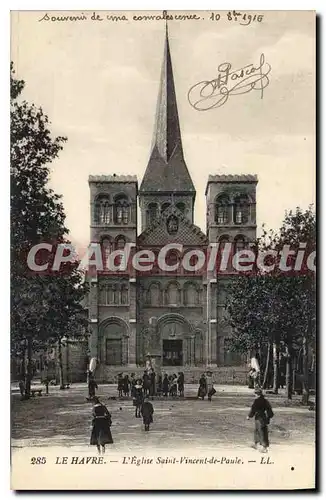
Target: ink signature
<point>213,94</point>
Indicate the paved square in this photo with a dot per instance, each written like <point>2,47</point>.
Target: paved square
<point>63,418</point>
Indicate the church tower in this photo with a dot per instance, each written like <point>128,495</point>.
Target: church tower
<point>166,181</point>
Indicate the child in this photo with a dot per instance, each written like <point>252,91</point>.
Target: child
<point>147,411</point>
<point>138,395</point>
<point>262,411</point>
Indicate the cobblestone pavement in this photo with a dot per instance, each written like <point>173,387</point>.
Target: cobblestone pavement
<point>63,418</point>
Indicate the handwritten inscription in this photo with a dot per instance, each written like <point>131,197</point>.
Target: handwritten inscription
<point>211,94</point>
<point>243,18</point>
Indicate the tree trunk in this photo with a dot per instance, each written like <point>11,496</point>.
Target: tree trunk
<point>29,372</point>
<point>288,374</point>
<point>267,366</point>
<point>276,359</point>
<point>60,365</point>
<point>305,372</point>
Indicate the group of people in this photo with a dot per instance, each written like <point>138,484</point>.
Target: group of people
<point>172,385</point>
<point>260,410</point>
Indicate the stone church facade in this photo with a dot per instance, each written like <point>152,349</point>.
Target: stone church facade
<point>175,318</point>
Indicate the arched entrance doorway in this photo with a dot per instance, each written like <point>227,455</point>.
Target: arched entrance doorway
<point>113,345</point>
<point>177,340</point>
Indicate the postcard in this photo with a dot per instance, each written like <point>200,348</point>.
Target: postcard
<point>163,247</point>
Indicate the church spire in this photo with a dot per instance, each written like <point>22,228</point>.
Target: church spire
<point>166,163</point>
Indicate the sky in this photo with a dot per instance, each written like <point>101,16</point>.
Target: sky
<point>98,83</point>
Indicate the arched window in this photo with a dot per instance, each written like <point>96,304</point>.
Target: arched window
<point>223,240</point>
<point>165,206</point>
<point>120,242</point>
<point>172,259</point>
<point>106,247</point>
<point>222,209</point>
<point>241,210</point>
<point>223,251</point>
<point>190,295</point>
<point>121,209</point>
<point>181,206</point>
<point>102,210</point>
<point>154,295</point>
<point>239,243</point>
<point>173,294</point>
<point>152,213</point>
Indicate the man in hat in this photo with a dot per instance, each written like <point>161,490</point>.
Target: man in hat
<point>262,411</point>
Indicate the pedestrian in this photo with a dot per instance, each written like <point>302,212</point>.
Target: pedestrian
<point>146,383</point>
<point>202,390</point>
<point>181,384</point>
<point>262,411</point>
<point>165,385</point>
<point>174,386</point>
<point>209,385</point>
<point>147,411</point>
<point>133,382</point>
<point>92,385</point>
<point>101,432</point>
<point>138,398</point>
<point>120,384</point>
<point>126,384</point>
<point>152,390</point>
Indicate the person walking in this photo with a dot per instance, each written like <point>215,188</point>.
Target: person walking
<point>174,386</point>
<point>262,411</point>
<point>165,386</point>
<point>133,382</point>
<point>92,386</point>
<point>209,385</point>
<point>120,384</point>
<point>147,411</point>
<point>181,384</point>
<point>126,384</point>
<point>146,383</point>
<point>202,389</point>
<point>101,423</point>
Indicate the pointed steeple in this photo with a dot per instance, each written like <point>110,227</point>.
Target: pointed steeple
<point>166,170</point>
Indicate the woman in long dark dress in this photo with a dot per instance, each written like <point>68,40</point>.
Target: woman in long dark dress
<point>101,432</point>
<point>165,386</point>
<point>202,390</point>
<point>181,384</point>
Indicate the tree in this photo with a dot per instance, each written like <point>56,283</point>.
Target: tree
<point>278,308</point>
<point>42,306</point>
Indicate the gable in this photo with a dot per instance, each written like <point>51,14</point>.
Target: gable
<point>159,232</point>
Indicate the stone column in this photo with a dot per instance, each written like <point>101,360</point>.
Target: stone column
<point>93,318</point>
<point>185,351</point>
<point>192,350</point>
<point>93,342</point>
<point>132,320</point>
